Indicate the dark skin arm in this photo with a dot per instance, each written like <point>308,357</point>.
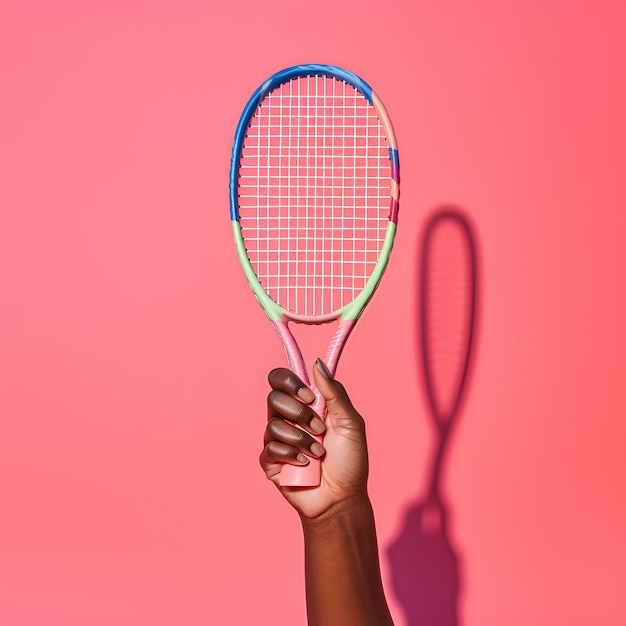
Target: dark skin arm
<point>343,584</point>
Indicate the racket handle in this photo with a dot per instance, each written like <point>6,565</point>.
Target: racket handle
<point>306,475</point>
<point>301,475</point>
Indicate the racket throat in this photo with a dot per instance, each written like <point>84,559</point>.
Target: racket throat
<point>294,354</point>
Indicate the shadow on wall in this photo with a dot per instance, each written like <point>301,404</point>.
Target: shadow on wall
<point>426,569</point>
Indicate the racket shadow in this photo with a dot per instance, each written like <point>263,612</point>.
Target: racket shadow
<point>426,569</point>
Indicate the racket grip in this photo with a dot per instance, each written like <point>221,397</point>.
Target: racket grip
<point>301,475</point>
<point>306,475</point>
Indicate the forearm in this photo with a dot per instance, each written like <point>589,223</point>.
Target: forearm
<point>343,584</point>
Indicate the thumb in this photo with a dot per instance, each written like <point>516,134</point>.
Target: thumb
<point>341,413</point>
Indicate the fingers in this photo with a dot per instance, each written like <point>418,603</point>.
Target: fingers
<point>288,406</point>
<point>285,443</point>
<point>281,405</point>
<point>285,380</point>
<point>290,398</point>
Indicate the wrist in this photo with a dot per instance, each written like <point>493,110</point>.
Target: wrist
<point>343,512</point>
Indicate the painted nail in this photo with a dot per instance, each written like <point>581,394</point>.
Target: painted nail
<point>306,395</point>
<point>324,369</point>
<point>317,449</point>
<point>317,426</point>
<point>302,458</point>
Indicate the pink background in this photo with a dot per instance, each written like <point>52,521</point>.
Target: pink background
<point>133,355</point>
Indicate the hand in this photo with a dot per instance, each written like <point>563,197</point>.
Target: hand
<point>344,452</point>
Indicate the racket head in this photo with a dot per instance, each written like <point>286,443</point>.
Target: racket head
<point>314,190</point>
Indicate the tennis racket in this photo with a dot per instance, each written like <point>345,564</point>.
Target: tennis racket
<point>314,188</point>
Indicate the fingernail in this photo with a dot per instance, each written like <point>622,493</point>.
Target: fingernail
<point>324,369</point>
<point>303,458</point>
<point>317,449</point>
<point>306,395</point>
<point>317,426</point>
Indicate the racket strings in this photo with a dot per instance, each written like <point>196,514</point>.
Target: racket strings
<point>314,193</point>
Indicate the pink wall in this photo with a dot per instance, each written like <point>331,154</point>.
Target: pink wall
<point>130,423</point>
